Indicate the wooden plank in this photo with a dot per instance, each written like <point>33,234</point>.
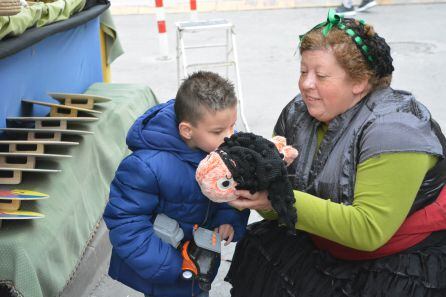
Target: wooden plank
<point>62,96</point>
<point>15,179</point>
<point>9,206</point>
<point>48,122</point>
<point>51,119</point>
<point>47,130</point>
<point>25,142</point>
<point>78,100</point>
<point>8,163</point>
<point>37,155</point>
<point>37,170</point>
<point>61,106</point>
<point>27,146</point>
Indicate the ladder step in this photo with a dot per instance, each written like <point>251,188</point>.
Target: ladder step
<point>206,46</point>
<point>203,25</point>
<point>214,64</point>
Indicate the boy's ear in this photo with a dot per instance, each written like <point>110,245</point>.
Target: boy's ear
<point>185,129</point>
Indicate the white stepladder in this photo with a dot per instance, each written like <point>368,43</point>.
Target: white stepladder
<point>194,26</point>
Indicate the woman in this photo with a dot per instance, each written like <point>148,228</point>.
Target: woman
<point>368,182</point>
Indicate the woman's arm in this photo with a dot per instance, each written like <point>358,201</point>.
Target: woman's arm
<point>385,189</point>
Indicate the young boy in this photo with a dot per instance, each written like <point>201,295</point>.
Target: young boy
<point>168,142</point>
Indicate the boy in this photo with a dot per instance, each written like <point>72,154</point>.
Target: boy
<point>168,142</point>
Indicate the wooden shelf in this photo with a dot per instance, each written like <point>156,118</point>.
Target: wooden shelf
<point>56,109</point>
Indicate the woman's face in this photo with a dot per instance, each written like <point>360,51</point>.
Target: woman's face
<point>325,86</point>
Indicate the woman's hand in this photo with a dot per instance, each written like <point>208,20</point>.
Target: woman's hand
<point>226,232</point>
<point>257,201</point>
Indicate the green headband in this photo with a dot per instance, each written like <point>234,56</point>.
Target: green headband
<point>334,19</point>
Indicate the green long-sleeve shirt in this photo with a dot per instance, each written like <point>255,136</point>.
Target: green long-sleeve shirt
<point>385,188</point>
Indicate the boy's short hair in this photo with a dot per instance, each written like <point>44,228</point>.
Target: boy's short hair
<point>203,89</point>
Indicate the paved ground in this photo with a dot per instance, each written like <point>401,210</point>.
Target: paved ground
<point>124,7</point>
<point>267,41</point>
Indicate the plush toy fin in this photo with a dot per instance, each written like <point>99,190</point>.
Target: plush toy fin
<point>289,153</point>
<point>282,200</point>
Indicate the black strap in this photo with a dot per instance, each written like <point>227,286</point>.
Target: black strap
<point>435,179</point>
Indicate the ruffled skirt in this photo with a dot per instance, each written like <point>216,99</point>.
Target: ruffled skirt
<point>270,262</point>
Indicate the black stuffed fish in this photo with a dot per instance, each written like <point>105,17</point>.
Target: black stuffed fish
<point>246,161</point>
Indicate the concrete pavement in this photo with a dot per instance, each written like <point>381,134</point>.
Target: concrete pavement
<point>267,40</point>
<point>124,7</point>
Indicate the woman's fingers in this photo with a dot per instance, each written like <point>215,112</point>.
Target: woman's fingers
<point>242,203</point>
<point>258,201</point>
<point>246,194</point>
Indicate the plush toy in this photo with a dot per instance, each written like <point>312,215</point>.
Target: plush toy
<point>250,162</point>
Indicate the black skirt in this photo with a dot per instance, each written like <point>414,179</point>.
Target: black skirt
<point>270,262</point>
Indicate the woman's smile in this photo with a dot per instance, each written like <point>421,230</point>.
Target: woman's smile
<point>312,99</point>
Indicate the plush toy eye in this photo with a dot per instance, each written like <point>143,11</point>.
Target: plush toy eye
<point>224,183</point>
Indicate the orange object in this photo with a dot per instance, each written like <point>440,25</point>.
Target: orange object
<point>188,264</point>
<point>214,239</point>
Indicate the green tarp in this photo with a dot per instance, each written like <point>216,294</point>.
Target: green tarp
<point>39,14</point>
<point>113,48</point>
<point>39,257</point>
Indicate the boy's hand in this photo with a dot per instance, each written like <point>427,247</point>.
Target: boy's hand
<point>226,232</point>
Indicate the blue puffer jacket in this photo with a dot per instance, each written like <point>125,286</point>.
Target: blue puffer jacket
<point>158,177</point>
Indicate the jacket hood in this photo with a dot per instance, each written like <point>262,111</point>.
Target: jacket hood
<point>157,129</point>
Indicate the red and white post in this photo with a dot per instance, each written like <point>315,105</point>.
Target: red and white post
<point>193,10</point>
<point>162,32</point>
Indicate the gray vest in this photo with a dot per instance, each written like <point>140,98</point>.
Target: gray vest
<point>386,121</point>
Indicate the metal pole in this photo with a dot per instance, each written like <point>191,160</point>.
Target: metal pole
<point>183,54</point>
<point>239,82</point>
<point>162,32</point>
<point>178,56</point>
<point>193,10</point>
